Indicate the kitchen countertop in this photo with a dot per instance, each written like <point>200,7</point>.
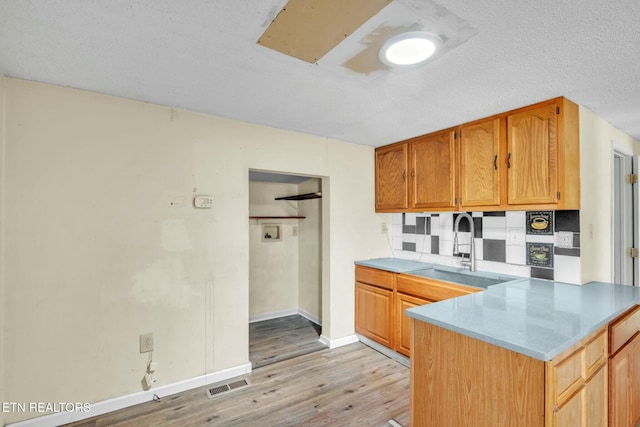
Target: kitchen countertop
<point>446,273</point>
<point>537,318</point>
<point>395,265</point>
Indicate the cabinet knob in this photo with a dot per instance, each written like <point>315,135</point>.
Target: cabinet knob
<point>509,161</point>
<point>495,162</point>
<point>404,175</point>
<point>413,173</point>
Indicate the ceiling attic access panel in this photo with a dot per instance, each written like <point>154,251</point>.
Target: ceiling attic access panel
<point>308,29</point>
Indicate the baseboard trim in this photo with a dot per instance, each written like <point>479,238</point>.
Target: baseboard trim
<point>339,342</point>
<point>283,313</point>
<point>272,315</point>
<point>121,402</point>
<point>310,317</point>
<point>384,350</point>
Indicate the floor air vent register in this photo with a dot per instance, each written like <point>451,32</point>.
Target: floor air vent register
<point>216,390</point>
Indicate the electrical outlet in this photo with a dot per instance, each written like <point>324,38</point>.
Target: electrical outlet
<point>564,239</point>
<point>385,228</point>
<point>146,342</point>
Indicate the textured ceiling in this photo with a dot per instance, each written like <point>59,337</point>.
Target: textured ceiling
<point>202,56</point>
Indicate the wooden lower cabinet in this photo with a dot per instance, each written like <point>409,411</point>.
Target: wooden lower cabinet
<point>403,324</point>
<point>382,298</point>
<point>457,380</point>
<point>624,371</point>
<point>577,386</point>
<point>587,407</point>
<point>625,386</point>
<point>374,313</point>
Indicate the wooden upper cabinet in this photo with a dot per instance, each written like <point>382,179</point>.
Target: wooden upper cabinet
<point>391,177</point>
<point>432,183</point>
<point>532,158</point>
<point>525,159</point>
<point>480,163</point>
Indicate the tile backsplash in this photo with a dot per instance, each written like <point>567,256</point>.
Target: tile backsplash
<point>541,244</point>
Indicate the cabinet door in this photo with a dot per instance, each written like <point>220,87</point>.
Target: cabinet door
<point>374,313</point>
<point>480,164</point>
<point>532,158</point>
<point>433,171</point>
<point>403,322</point>
<point>588,407</point>
<point>596,404</point>
<point>391,177</point>
<point>624,386</point>
<point>571,414</point>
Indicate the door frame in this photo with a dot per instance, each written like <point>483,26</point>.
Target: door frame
<point>628,216</point>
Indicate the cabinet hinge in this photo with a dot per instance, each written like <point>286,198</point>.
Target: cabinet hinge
<point>633,252</point>
<point>632,178</point>
<point>557,110</point>
<point>558,195</point>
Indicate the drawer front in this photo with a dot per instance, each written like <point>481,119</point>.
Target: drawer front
<point>432,290</point>
<point>596,353</point>
<point>576,366</point>
<point>623,329</point>
<point>372,276</point>
<point>567,377</point>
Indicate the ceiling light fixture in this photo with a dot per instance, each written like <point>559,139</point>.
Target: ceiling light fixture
<point>409,49</point>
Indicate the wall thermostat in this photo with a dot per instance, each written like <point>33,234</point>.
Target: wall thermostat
<point>203,202</point>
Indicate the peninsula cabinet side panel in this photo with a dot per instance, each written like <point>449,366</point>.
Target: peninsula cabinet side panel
<point>460,381</point>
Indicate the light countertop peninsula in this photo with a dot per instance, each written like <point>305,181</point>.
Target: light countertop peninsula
<point>537,318</point>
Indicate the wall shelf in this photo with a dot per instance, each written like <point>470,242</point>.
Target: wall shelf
<point>277,217</point>
<point>305,196</point>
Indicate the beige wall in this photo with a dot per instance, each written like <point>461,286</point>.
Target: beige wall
<point>2,265</point>
<point>102,243</point>
<point>310,252</point>
<point>273,266</point>
<point>596,137</point>
<point>347,197</point>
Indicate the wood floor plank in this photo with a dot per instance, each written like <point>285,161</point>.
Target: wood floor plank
<point>348,386</point>
<point>282,338</point>
<point>295,381</point>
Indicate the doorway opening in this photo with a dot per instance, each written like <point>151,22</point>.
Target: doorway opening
<point>625,218</point>
<point>285,266</point>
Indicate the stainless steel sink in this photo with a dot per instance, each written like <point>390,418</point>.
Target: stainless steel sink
<point>462,278</point>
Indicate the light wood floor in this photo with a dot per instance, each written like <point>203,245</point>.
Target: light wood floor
<point>352,385</point>
<point>282,338</point>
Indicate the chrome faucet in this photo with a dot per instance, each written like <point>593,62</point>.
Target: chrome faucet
<point>472,253</point>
